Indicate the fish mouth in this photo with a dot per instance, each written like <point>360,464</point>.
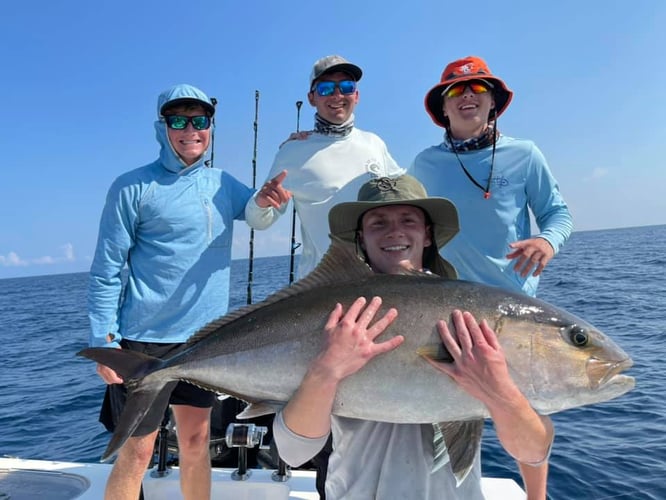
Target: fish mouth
<point>601,372</point>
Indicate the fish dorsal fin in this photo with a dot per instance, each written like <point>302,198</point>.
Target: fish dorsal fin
<point>340,264</point>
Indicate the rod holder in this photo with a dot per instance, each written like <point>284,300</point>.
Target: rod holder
<point>162,449</point>
<point>244,436</point>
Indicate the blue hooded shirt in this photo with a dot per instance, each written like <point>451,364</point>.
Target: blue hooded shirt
<point>171,225</point>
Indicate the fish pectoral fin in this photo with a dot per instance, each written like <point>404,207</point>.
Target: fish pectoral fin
<point>440,453</point>
<point>461,440</point>
<point>259,408</point>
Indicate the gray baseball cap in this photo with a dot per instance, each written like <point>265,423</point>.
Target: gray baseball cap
<point>333,63</point>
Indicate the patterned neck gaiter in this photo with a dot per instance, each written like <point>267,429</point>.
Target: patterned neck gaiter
<point>482,141</point>
<point>325,127</point>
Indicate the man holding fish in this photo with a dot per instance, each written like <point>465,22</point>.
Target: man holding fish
<point>532,359</point>
<point>398,230</point>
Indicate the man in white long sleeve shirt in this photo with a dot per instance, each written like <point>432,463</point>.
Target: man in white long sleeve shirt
<point>326,167</point>
<point>396,227</point>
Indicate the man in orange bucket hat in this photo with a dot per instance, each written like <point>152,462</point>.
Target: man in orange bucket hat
<point>495,181</point>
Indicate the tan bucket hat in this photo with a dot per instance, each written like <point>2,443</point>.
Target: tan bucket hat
<point>344,218</point>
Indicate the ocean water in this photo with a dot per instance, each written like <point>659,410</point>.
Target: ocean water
<point>615,279</point>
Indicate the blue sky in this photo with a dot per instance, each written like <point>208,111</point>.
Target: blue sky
<point>81,80</point>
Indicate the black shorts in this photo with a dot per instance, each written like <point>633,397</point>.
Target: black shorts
<point>183,393</point>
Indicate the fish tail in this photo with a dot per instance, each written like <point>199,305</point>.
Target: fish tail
<point>139,400</point>
<point>128,364</point>
<point>143,389</point>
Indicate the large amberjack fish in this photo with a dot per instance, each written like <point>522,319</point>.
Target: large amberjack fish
<point>260,354</point>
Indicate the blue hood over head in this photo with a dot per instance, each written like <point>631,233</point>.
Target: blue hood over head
<point>172,96</point>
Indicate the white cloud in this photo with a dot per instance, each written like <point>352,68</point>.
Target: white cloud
<point>597,173</point>
<point>12,259</point>
<point>68,250</point>
<point>47,259</point>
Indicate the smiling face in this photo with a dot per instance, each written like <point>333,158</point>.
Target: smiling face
<point>190,144</point>
<point>394,237</point>
<point>468,113</point>
<point>336,108</point>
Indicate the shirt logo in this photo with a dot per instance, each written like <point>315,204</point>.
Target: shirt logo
<point>373,166</point>
<point>498,181</point>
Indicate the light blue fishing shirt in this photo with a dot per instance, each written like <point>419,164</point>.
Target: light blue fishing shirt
<point>172,226</point>
<point>521,182</point>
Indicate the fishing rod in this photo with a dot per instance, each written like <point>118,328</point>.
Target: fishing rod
<point>282,473</point>
<point>250,268</point>
<point>294,245</point>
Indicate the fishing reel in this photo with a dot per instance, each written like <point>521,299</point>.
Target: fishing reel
<point>245,436</point>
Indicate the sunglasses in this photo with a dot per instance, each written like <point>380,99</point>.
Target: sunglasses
<point>459,89</point>
<point>179,122</point>
<point>327,88</point>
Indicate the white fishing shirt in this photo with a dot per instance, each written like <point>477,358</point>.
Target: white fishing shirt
<point>323,171</point>
<point>379,460</point>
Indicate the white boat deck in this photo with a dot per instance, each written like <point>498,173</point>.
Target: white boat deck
<point>40,480</point>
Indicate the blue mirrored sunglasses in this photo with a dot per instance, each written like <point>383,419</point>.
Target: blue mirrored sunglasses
<point>179,122</point>
<point>327,88</point>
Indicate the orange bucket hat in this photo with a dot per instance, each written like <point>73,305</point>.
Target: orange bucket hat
<point>463,70</point>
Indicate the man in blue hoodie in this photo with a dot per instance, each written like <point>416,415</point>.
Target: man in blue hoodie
<point>171,223</point>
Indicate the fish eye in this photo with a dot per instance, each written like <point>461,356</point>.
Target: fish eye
<point>578,336</point>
